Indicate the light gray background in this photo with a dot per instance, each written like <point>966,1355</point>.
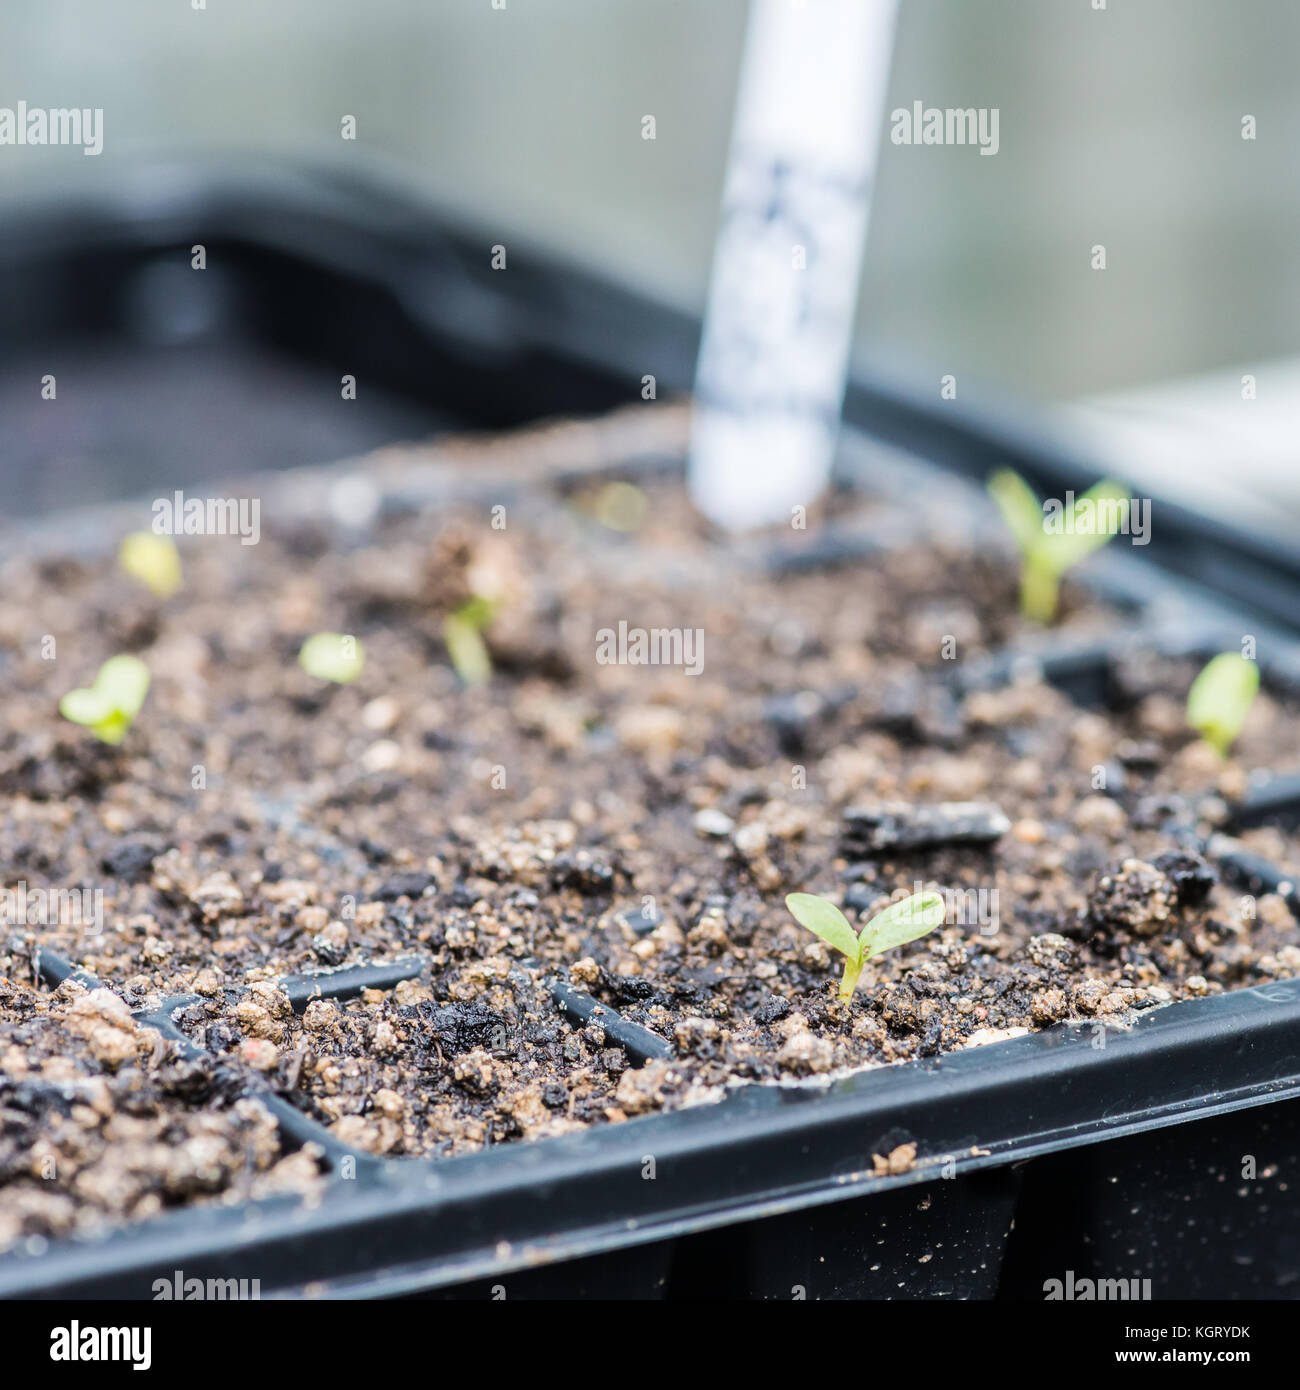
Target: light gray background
<point>1119,126</point>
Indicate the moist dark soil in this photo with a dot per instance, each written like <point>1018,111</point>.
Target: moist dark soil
<point>100,1121</point>
<point>629,829</point>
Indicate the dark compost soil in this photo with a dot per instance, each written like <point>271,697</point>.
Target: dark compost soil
<point>99,1121</point>
<point>629,829</point>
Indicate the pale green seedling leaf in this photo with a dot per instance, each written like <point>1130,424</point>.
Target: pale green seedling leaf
<point>1046,555</point>
<point>1020,509</point>
<point>124,681</point>
<point>85,706</point>
<point>333,656</point>
<point>153,560</point>
<point>901,922</point>
<point>113,728</point>
<point>462,633</point>
<point>1220,699</point>
<point>109,707</point>
<point>824,919</point>
<point>1062,552</point>
<point>621,506</point>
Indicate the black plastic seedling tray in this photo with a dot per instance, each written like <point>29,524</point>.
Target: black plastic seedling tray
<point>1035,1156</point>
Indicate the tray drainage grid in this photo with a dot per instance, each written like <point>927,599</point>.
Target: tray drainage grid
<point>349,982</point>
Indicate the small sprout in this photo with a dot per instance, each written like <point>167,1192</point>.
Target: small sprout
<point>1046,555</point>
<point>109,707</point>
<point>153,560</point>
<point>621,506</point>
<point>897,924</point>
<point>332,656</point>
<point>1220,699</point>
<point>462,631</point>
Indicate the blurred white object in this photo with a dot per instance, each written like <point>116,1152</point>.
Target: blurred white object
<point>1207,442</point>
<point>773,360</point>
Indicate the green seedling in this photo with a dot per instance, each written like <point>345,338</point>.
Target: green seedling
<point>333,656</point>
<point>897,924</point>
<point>153,560</point>
<point>109,707</point>
<point>621,506</point>
<point>1220,699</point>
<point>462,631</point>
<point>1046,555</point>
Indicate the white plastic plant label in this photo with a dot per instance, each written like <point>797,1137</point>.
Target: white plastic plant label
<point>774,356</point>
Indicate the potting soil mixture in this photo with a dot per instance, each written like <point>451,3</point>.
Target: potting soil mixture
<point>630,828</point>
